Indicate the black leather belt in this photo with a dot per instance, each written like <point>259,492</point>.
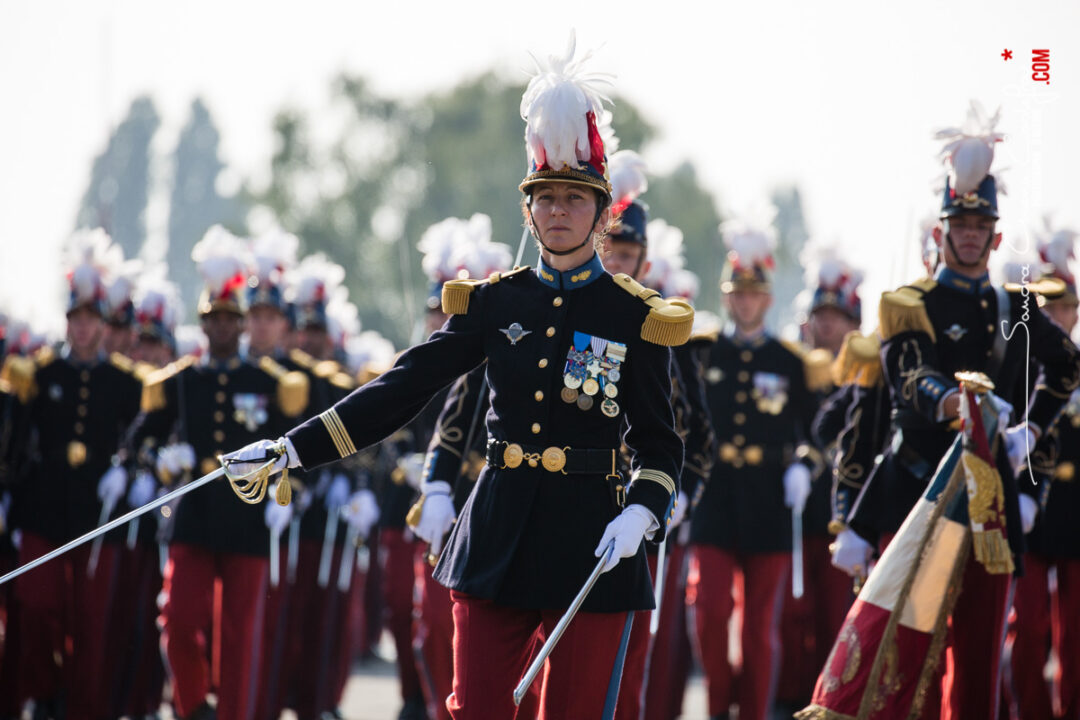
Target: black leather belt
<point>502,454</point>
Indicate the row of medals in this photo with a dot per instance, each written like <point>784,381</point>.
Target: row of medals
<point>586,377</point>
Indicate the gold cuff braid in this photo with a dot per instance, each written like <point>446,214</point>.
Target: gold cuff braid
<point>663,479</point>
<point>342,441</point>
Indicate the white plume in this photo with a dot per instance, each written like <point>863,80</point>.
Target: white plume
<point>665,254</point>
<point>220,256</point>
<point>369,349</point>
<point>969,150</point>
<point>449,246</point>
<point>684,283</point>
<point>315,279</point>
<point>190,340</point>
<point>1057,246</point>
<point>88,257</point>
<point>157,297</point>
<point>275,254</point>
<point>342,317</point>
<point>627,171</point>
<point>554,107</point>
<point>607,132</point>
<point>751,237</point>
<point>121,284</point>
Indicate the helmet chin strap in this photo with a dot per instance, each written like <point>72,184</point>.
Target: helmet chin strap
<point>982,255</point>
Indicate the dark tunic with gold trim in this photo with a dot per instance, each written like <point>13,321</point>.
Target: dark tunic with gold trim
<point>525,537</point>
<point>447,458</point>
<point>762,411</point>
<point>1057,458</point>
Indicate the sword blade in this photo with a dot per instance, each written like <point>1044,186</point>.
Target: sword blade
<point>348,557</point>
<point>95,550</point>
<point>112,524</point>
<point>294,549</point>
<point>560,628</point>
<point>654,621</point>
<point>275,551</point>
<point>796,555</point>
<point>329,536</point>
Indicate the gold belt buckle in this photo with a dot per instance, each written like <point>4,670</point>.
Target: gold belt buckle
<point>512,455</point>
<point>76,453</point>
<point>554,459</point>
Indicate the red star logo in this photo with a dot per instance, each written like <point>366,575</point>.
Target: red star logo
<point>1007,54</point>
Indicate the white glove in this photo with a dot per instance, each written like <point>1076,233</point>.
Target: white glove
<point>437,515</point>
<point>256,454</point>
<point>16,538</point>
<point>142,489</point>
<point>627,530</point>
<point>338,493</point>
<point>184,456</point>
<point>277,516</point>
<point>851,553</point>
<point>111,486</point>
<point>412,465</point>
<point>1004,410</point>
<point>1028,510</point>
<point>796,487</point>
<point>1019,442</point>
<point>361,511</point>
<point>302,500</point>
<point>681,505</point>
<point>168,462</point>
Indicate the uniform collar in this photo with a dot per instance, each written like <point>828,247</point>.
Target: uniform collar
<point>65,354</point>
<point>570,279</point>
<point>222,365</point>
<point>956,281</point>
<point>743,341</point>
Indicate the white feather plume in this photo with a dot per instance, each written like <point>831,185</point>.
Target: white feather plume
<point>220,256</point>
<point>190,340</point>
<point>88,257</point>
<point>554,107</point>
<point>369,349</point>
<point>824,267</point>
<point>684,283</point>
<point>157,297</point>
<point>121,284</point>
<point>1057,246</point>
<point>607,131</point>
<point>627,172</point>
<point>969,150</point>
<point>315,279</point>
<point>342,317</point>
<point>750,237</point>
<point>665,254</point>
<point>275,254</point>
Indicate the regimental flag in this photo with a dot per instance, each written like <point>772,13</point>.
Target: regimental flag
<point>885,656</point>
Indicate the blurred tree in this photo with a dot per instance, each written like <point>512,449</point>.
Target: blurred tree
<point>791,236</point>
<point>197,203</point>
<point>120,180</point>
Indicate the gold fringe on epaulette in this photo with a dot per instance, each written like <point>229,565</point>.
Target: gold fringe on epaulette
<point>669,322</point>
<point>293,392</point>
<point>19,373</point>
<point>122,362</point>
<point>818,366</point>
<point>859,361</point>
<point>326,369</point>
<point>44,356</point>
<point>301,358</point>
<point>343,380</point>
<point>455,296</point>
<point>817,712</point>
<point>993,551</point>
<point>903,311</point>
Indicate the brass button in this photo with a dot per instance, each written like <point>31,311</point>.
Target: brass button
<point>743,376</point>
<point>223,379</point>
<point>219,436</point>
<point>990,328</point>
<point>542,363</point>
<point>746,356</point>
<point>551,332</point>
<point>740,418</point>
<point>539,395</point>
<point>740,397</point>
<point>219,416</point>
<point>219,397</point>
<point>536,428</point>
<point>739,440</point>
<point>557,302</point>
<point>84,392</point>
<point>79,428</point>
<point>984,303</point>
<point>81,410</point>
<point>84,376</point>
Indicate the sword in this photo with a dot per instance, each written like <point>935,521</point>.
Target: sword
<point>560,628</point>
<point>329,536</point>
<point>348,557</point>
<point>95,549</point>
<point>796,555</point>
<point>275,557</point>
<point>293,558</point>
<point>112,524</point>
<point>133,533</point>
<point>654,621</point>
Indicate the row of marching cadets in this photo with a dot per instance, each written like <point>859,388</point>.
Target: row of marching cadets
<point>131,406</point>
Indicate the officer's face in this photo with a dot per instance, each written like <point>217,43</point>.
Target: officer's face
<point>152,351</point>
<point>119,338</point>
<point>222,332</point>
<point>84,330</point>
<point>748,308</point>
<point>827,327</point>
<point>969,233</point>
<point>1063,313</point>
<point>266,328</point>
<point>315,341</point>
<point>625,257</point>
<point>565,214</point>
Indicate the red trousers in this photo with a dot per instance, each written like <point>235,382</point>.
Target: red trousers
<point>637,653</point>
<point>396,557</point>
<point>433,638</point>
<point>493,646</point>
<point>134,638</point>
<point>809,625</point>
<point>1043,621</point>
<point>669,662</point>
<point>63,627</point>
<point>709,594</point>
<point>190,578</point>
<point>10,655</point>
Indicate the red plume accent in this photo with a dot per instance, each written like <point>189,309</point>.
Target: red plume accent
<point>236,282</point>
<point>596,143</point>
<point>618,207</point>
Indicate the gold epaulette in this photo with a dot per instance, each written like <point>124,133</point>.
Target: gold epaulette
<point>343,380</point>
<point>44,356</point>
<point>293,388</point>
<point>302,359</point>
<point>859,361</point>
<point>903,310</point>
<point>122,362</point>
<point>708,336</point>
<point>796,348</point>
<point>818,366</point>
<point>19,375</point>
<point>456,293</point>
<point>669,322</point>
<point>325,369</point>
<point>143,370</point>
<point>153,392</point>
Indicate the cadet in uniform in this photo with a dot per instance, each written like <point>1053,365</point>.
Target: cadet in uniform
<point>218,401</point>
<point>958,320</point>
<point>549,502</point>
<point>743,519</point>
<point>79,402</point>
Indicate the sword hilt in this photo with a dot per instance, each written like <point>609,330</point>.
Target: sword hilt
<point>251,486</point>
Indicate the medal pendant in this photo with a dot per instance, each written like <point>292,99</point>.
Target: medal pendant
<point>569,395</point>
<point>613,374</point>
<point>609,407</point>
<point>610,390</point>
<point>585,402</point>
<point>590,387</point>
<point>571,381</point>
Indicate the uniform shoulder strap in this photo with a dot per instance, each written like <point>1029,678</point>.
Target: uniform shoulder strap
<point>293,386</point>
<point>19,374</point>
<point>153,392</point>
<point>669,322</point>
<point>859,361</point>
<point>456,293</point>
<point>122,362</point>
<point>818,366</point>
<point>301,358</point>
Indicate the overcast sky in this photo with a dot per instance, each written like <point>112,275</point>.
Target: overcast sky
<point>840,101</point>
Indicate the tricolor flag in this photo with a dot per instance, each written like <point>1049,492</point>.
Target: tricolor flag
<point>884,658</point>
